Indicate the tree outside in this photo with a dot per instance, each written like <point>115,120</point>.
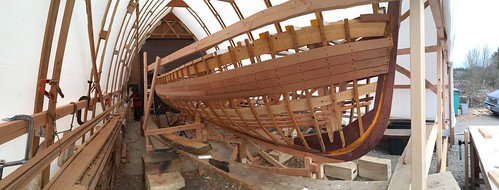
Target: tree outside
<point>479,76</point>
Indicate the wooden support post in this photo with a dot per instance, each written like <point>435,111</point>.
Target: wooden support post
<point>144,57</point>
<point>440,119</point>
<point>151,96</point>
<point>56,75</point>
<point>466,159</point>
<point>418,99</point>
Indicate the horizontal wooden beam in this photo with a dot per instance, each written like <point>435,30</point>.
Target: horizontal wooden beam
<point>13,129</point>
<point>271,15</point>
<point>428,49</point>
<point>168,130</point>
<point>24,174</point>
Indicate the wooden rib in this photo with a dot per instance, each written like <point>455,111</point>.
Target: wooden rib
<point>270,43</point>
<point>368,80</point>
<point>43,66</point>
<point>272,117</point>
<point>56,75</point>
<point>375,8</point>
<point>338,115</point>
<point>291,30</point>
<point>234,106</point>
<point>249,47</point>
<point>219,63</point>
<point>235,62</point>
<point>357,105</point>
<point>295,124</point>
<point>318,130</point>
<point>231,120</point>
<point>347,31</point>
<point>255,114</point>
<point>320,20</point>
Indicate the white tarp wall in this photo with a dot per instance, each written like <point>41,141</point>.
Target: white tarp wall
<point>22,32</point>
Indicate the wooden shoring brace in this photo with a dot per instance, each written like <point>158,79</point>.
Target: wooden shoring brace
<point>151,95</point>
<point>272,117</point>
<point>293,119</point>
<point>357,105</point>
<point>337,114</point>
<point>43,66</point>
<point>56,75</point>
<point>265,155</point>
<point>318,130</point>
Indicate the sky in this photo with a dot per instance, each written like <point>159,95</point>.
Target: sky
<point>476,24</point>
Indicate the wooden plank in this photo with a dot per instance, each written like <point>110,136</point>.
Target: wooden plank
<point>485,133</point>
<point>156,131</point>
<point>280,12</point>
<point>375,168</point>
<point>170,180</point>
<point>494,175</point>
<point>418,129</point>
<point>13,129</point>
<point>443,180</point>
<point>428,49</point>
<point>20,177</point>
<point>344,170</point>
<point>397,133</point>
<point>186,144</point>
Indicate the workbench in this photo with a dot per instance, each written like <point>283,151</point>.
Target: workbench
<point>484,154</point>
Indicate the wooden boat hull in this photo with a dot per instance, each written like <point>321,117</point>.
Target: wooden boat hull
<point>304,93</point>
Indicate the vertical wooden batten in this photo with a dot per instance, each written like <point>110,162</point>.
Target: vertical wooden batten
<point>418,99</point>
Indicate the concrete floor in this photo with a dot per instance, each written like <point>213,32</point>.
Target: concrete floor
<point>130,177</point>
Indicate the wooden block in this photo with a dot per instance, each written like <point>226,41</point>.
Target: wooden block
<point>171,180</point>
<point>494,175</point>
<point>344,170</point>
<point>443,180</point>
<point>375,168</point>
<point>486,134</point>
<point>280,156</point>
